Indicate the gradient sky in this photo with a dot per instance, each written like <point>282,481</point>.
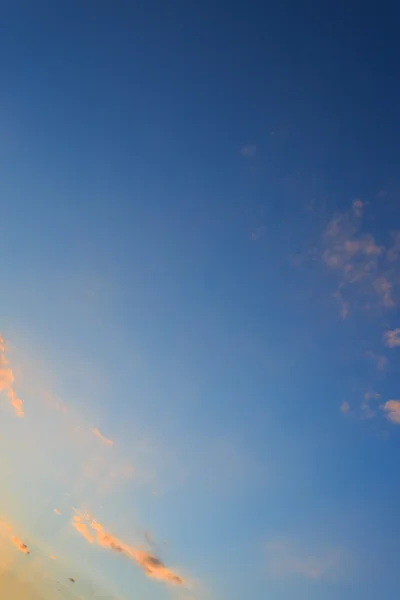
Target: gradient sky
<point>200,288</point>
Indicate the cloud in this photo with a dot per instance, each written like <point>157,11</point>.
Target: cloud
<point>7,381</point>
<point>356,258</point>
<point>381,362</point>
<point>101,437</point>
<point>344,305</point>
<point>257,233</point>
<point>21,547</point>
<point>54,402</point>
<point>367,411</point>
<point>151,565</point>
<point>248,151</point>
<point>394,251</point>
<point>384,289</point>
<point>392,410</point>
<point>81,527</point>
<point>287,558</point>
<point>6,531</point>
<point>56,511</point>
<point>148,537</point>
<point>358,207</point>
<point>344,407</point>
<point>364,269</point>
<point>392,338</point>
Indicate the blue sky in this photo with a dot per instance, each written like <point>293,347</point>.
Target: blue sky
<point>200,291</point>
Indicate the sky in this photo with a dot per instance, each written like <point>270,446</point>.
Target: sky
<point>199,307</point>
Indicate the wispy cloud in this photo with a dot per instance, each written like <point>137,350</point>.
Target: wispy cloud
<point>101,437</point>
<point>149,539</point>
<point>364,410</point>
<point>257,233</point>
<point>384,289</point>
<point>392,410</point>
<point>54,402</point>
<point>249,151</point>
<point>358,208</point>
<point>94,532</point>
<point>66,439</point>
<point>381,362</point>
<point>285,557</point>
<point>368,411</point>
<point>394,251</point>
<point>7,381</point>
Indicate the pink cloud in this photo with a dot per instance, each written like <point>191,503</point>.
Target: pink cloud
<point>392,338</point>
<point>363,267</point>
<point>358,207</point>
<point>392,410</point>
<point>384,288</point>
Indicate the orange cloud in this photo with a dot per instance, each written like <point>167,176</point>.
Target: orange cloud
<point>7,381</point>
<point>101,437</point>
<point>392,338</point>
<point>80,526</point>
<point>392,409</point>
<point>21,547</point>
<point>151,565</point>
<point>6,531</point>
<point>5,528</point>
